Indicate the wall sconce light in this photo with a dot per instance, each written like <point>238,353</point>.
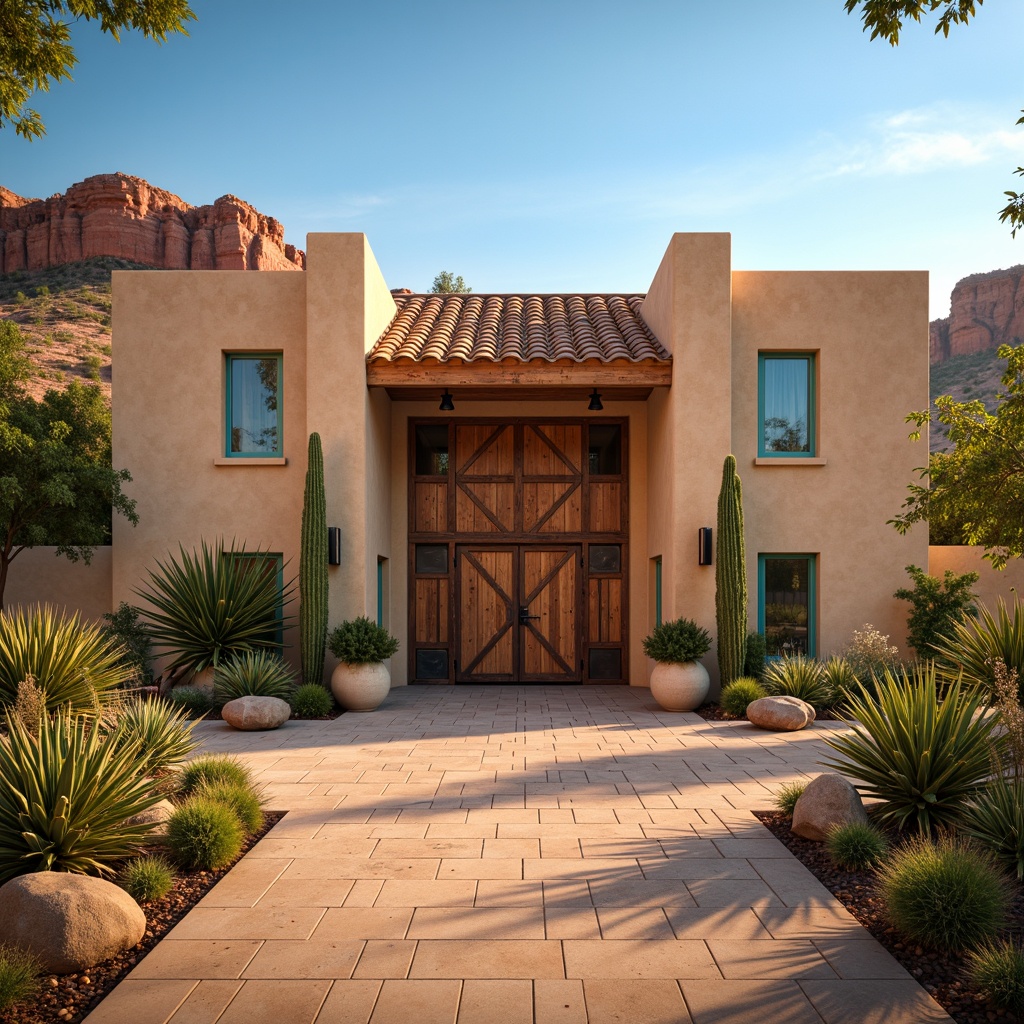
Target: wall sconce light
<point>595,402</point>
<point>447,405</point>
<point>334,545</point>
<point>704,546</point>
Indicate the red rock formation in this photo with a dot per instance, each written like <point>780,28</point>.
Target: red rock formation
<point>986,311</point>
<point>118,215</point>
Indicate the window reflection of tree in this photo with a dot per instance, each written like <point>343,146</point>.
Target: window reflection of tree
<point>782,436</point>
<point>786,597</point>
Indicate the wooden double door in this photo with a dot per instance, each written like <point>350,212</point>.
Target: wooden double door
<point>518,537</point>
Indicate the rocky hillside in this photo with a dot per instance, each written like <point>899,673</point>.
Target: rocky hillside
<point>986,311</point>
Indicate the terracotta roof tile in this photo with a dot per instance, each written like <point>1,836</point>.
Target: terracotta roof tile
<point>521,327</point>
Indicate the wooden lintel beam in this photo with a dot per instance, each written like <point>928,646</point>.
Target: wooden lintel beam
<point>485,374</point>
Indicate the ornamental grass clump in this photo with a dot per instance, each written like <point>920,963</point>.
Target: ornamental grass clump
<point>19,976</point>
<point>241,798</point>
<point>361,642</point>
<point>678,641</point>
<point>975,645</point>
<point>146,878</point>
<point>311,700</point>
<point>210,769</point>
<point>253,674</point>
<point>738,694</point>
<point>856,846</point>
<point>838,675</point>
<point>787,796</point>
<point>945,894</point>
<point>922,757</point>
<point>161,733</point>
<point>204,834</point>
<point>997,968</point>
<point>799,677</point>
<point>191,700</point>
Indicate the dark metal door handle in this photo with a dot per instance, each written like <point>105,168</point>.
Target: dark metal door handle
<point>524,614</point>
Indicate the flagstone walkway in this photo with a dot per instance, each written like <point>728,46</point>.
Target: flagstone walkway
<point>519,855</point>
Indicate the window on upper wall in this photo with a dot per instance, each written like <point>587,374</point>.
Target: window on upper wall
<point>254,406</point>
<point>786,604</point>
<point>785,403</point>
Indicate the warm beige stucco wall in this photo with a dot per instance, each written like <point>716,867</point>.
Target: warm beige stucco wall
<point>171,331</point>
<point>870,333</point>
<point>1007,584</point>
<point>38,576</point>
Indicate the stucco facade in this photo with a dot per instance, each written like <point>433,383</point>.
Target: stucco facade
<point>867,334</point>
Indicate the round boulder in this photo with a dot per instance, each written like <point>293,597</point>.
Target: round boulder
<point>69,922</point>
<point>828,801</point>
<point>785,714</point>
<point>254,713</point>
<point>156,815</point>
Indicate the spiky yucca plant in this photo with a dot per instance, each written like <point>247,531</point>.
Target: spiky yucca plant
<point>975,645</point>
<point>211,605</point>
<point>799,677</point>
<point>65,797</point>
<point>69,660</point>
<point>253,674</point>
<point>161,732</point>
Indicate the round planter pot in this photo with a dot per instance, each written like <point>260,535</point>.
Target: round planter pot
<point>203,680</point>
<point>680,686</point>
<point>360,687</point>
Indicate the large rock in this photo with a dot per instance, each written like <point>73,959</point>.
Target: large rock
<point>254,713</point>
<point>985,311</point>
<point>828,800</point>
<point>785,714</point>
<point>70,922</point>
<point>157,815</point>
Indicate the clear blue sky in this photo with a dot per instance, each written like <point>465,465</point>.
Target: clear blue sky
<point>555,146</point>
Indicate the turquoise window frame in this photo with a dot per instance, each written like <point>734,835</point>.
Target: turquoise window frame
<point>812,594</point>
<point>657,591</point>
<point>277,557</point>
<point>812,405</point>
<point>229,358</point>
<point>380,591</point>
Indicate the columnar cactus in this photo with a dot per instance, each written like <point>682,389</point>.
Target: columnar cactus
<point>730,576</point>
<point>313,567</point>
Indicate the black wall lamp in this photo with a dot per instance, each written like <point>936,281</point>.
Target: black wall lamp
<point>334,545</point>
<point>595,402</point>
<point>704,546</point>
<point>447,404</point>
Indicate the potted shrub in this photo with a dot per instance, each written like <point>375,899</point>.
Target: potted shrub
<point>360,680</point>
<point>679,682</point>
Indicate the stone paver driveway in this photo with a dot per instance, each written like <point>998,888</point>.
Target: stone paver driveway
<point>516,855</point>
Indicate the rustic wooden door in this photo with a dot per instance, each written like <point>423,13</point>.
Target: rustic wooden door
<point>518,613</point>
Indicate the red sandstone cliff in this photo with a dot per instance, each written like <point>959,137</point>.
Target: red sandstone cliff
<point>118,215</point>
<point>986,311</point>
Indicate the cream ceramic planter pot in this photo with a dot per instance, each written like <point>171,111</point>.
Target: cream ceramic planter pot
<point>680,686</point>
<point>360,687</point>
<point>203,680</point>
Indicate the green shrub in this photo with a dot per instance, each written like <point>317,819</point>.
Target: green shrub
<point>65,796</point>
<point>312,701</point>
<point>160,732</point>
<point>124,629</point>
<point>995,818</point>
<point>738,694</point>
<point>856,846</point>
<point>211,769</point>
<point>19,976</point>
<point>253,674</point>
<point>975,645</point>
<point>677,641</point>
<point>921,757</point>
<point>945,895</point>
<point>936,606</point>
<point>191,700</point>
<point>146,878</point>
<point>360,641</point>
<point>799,677</point>
<point>71,661</point>
<point>787,796</point>
<point>998,970</point>
<point>204,834</point>
<point>242,799</point>
<point>757,651</point>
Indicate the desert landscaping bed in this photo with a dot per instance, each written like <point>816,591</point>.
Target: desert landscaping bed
<point>941,974</point>
<point>69,998</point>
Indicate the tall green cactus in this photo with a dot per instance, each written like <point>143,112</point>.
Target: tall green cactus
<point>313,567</point>
<point>730,576</point>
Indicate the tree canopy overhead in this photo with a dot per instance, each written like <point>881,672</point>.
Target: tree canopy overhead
<point>885,19</point>
<point>446,283</point>
<point>36,50</point>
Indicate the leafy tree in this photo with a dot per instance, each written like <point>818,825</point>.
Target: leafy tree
<point>57,485</point>
<point>886,18</point>
<point>447,283</point>
<point>980,483</point>
<point>36,50</point>
<point>937,605</point>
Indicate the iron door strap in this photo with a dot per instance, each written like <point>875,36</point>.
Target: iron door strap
<point>524,614</point>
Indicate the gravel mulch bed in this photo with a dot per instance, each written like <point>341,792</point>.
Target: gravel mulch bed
<point>69,998</point>
<point>941,974</point>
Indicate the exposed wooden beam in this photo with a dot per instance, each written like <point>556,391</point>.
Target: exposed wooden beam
<point>407,375</point>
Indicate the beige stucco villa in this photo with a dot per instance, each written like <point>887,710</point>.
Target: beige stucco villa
<point>520,481</point>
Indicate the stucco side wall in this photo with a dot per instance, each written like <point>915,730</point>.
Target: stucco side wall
<point>170,335</point>
<point>870,333</point>
<point>39,576</point>
<point>1007,584</point>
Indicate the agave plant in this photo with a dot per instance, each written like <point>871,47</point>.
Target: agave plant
<point>214,604</point>
<point>70,661</point>
<point>253,674</point>
<point>799,677</point>
<point>65,797</point>
<point>160,733</point>
<point>921,757</point>
<point>995,819</point>
<point>974,646</point>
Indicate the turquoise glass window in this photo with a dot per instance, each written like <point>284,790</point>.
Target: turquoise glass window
<point>254,406</point>
<point>657,591</point>
<point>786,604</point>
<point>785,403</point>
